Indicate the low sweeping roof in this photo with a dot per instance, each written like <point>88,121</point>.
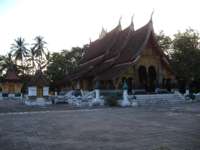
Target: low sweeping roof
<point>108,56</point>
<point>11,76</point>
<point>39,79</point>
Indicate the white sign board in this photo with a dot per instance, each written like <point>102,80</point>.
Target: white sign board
<point>45,91</point>
<point>32,91</point>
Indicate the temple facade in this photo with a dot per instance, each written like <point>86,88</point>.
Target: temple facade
<point>38,85</point>
<point>127,55</point>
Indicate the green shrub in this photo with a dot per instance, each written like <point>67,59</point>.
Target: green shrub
<point>17,94</point>
<point>162,148</point>
<point>111,101</point>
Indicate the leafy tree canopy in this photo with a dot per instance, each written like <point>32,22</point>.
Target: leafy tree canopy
<point>185,58</point>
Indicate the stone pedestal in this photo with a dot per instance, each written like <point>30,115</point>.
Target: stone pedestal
<point>125,101</point>
<point>187,92</point>
<point>97,100</point>
<point>97,93</point>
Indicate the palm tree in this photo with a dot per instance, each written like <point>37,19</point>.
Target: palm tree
<point>39,46</point>
<point>31,58</point>
<point>20,50</point>
<point>46,62</point>
<point>39,50</point>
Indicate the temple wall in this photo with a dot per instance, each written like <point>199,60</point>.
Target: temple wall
<point>11,87</point>
<point>147,59</point>
<point>38,91</point>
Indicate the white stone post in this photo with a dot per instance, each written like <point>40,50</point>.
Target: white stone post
<point>187,92</point>
<point>97,94</point>
<point>125,101</point>
<point>97,100</point>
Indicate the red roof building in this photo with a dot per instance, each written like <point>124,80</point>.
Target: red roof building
<point>129,54</point>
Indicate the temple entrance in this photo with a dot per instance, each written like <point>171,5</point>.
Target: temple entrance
<point>39,91</point>
<point>142,73</point>
<point>152,78</point>
<point>168,85</point>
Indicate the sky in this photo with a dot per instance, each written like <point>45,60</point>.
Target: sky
<point>70,23</point>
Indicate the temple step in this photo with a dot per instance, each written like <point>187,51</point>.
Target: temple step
<point>159,99</point>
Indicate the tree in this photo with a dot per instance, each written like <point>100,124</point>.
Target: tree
<point>39,52</point>
<point>39,46</point>
<point>73,58</point>
<point>185,58</point>
<point>6,62</point>
<point>61,64</point>
<point>19,49</point>
<point>164,42</point>
<point>31,59</point>
<point>56,69</point>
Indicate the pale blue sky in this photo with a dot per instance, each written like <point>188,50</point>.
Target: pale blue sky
<point>5,5</point>
<point>67,23</point>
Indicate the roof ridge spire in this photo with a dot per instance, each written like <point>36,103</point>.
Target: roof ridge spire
<point>103,33</point>
<point>90,40</point>
<point>119,24</point>
<point>103,29</point>
<point>152,14</point>
<point>132,24</point>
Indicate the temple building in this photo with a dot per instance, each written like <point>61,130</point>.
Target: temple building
<point>38,86</point>
<point>127,55</point>
<point>11,85</point>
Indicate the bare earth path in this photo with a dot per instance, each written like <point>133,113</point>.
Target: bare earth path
<point>176,128</point>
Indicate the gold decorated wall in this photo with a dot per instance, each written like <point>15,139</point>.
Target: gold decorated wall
<point>11,87</point>
<point>149,58</point>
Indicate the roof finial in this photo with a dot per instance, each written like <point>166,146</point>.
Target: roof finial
<point>132,25</point>
<point>90,40</point>
<point>103,33</point>
<point>132,17</point>
<point>152,14</point>
<point>120,19</point>
<point>119,25</point>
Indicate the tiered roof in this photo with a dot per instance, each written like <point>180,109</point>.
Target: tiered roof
<point>109,56</point>
<point>39,79</point>
<point>11,75</point>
